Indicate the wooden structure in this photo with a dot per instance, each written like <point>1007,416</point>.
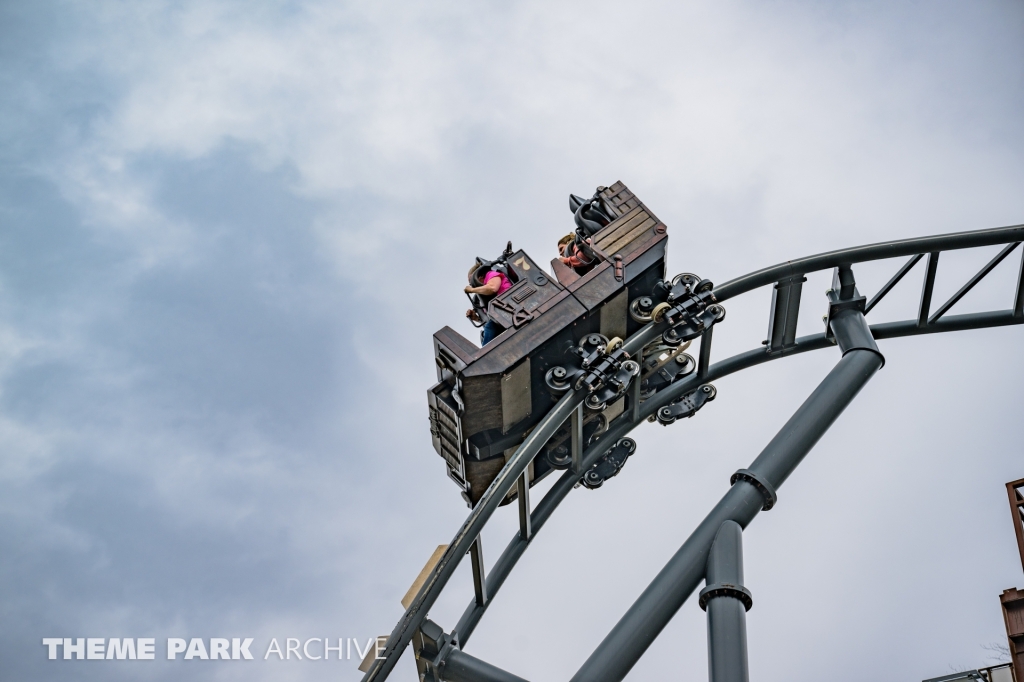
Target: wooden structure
<point>488,399</point>
<point>1012,600</point>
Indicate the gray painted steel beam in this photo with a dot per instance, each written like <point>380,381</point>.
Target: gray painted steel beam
<point>626,423</point>
<point>892,282</point>
<point>476,554</point>
<point>509,476</point>
<point>948,323</point>
<point>704,359</point>
<point>785,311</point>
<point>970,284</point>
<point>653,610</point>
<point>642,623</point>
<point>1018,300</point>
<point>576,439</point>
<point>634,396</point>
<point>523,493</point>
<point>860,254</point>
<point>459,666</point>
<point>726,608</point>
<point>471,528</point>
<point>880,251</point>
<point>931,267</point>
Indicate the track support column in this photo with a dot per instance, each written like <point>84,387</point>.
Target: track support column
<point>726,601</point>
<point>461,667</point>
<point>753,490</point>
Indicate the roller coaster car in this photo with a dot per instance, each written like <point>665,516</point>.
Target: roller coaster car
<point>488,399</point>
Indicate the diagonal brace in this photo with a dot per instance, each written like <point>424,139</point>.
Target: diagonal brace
<point>974,280</point>
<point>893,282</point>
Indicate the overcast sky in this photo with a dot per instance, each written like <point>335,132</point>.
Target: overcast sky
<point>228,230</point>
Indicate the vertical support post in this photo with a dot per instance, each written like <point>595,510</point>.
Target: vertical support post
<point>576,427</point>
<point>476,554</point>
<point>927,288</point>
<point>523,490</point>
<point>635,396</point>
<point>784,313</point>
<point>727,601</point>
<point>1018,301</point>
<point>843,282</point>
<point>656,606</point>
<point>704,360</point>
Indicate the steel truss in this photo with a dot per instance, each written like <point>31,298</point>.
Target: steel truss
<point>713,551</point>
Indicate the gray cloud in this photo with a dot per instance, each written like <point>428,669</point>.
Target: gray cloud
<point>227,232</point>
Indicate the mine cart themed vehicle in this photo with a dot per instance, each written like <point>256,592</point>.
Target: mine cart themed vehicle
<point>561,332</point>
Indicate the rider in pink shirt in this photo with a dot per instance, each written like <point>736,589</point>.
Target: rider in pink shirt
<point>494,283</point>
<point>504,284</point>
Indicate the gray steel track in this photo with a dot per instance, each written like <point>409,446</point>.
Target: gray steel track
<point>619,652</point>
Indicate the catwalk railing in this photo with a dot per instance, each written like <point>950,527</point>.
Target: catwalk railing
<point>753,490</point>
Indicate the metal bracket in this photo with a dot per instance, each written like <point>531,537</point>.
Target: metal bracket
<point>523,492</point>
<point>693,309</point>
<point>576,443</point>
<point>609,465</point>
<point>662,373</point>
<point>688,405</point>
<point>766,489</point>
<point>606,370</point>
<point>785,311</point>
<point>842,296</point>
<point>692,325</point>
<point>687,305</point>
<point>430,645</point>
<point>725,590</point>
<point>439,657</point>
<point>835,306</point>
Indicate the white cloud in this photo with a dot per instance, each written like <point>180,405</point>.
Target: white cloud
<point>423,134</point>
<point>825,116</point>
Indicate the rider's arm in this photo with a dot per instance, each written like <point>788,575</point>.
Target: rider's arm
<point>490,287</point>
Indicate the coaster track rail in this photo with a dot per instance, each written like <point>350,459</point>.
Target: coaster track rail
<point>752,490</point>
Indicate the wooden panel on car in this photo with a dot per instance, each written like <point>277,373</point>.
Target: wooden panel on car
<point>565,274</point>
<point>597,287</point>
<point>524,299</point>
<point>502,353</point>
<point>482,397</point>
<point>619,198</point>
